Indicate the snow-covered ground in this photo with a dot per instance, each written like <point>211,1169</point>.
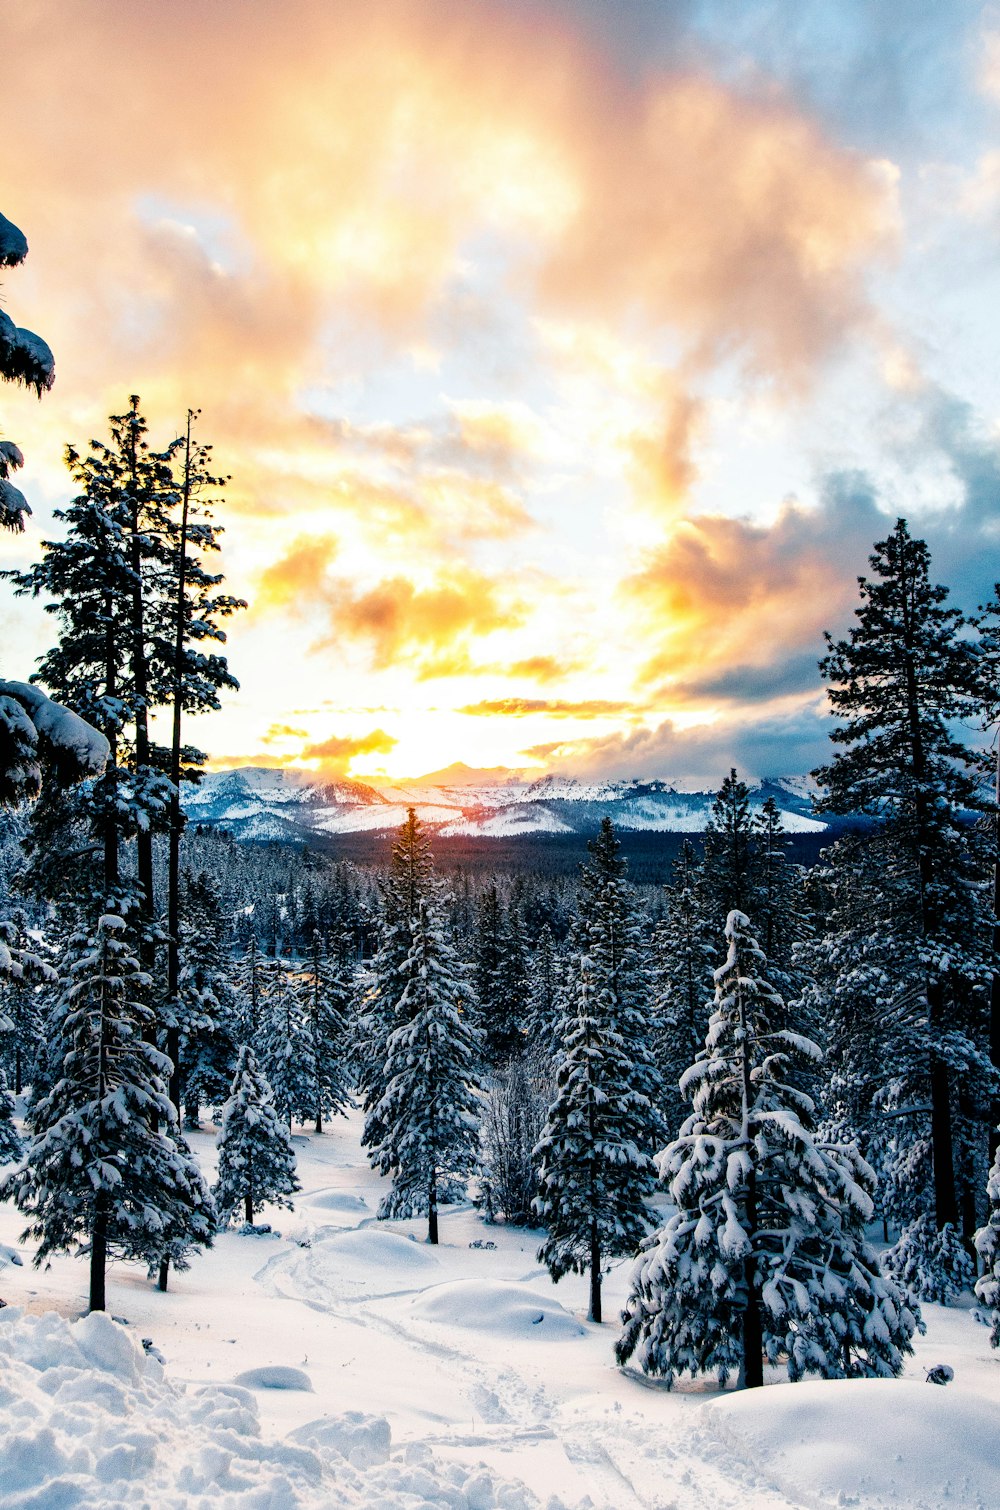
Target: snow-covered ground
<point>347,1363</point>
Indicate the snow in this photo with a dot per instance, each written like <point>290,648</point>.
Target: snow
<point>64,729</point>
<point>431,1386</point>
<point>891,1443</point>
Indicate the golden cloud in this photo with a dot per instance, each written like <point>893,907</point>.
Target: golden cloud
<point>522,707</point>
<point>300,577</point>
<point>336,753</point>
<point>403,622</point>
<point>725,593</point>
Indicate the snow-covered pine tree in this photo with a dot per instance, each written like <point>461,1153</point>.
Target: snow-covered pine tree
<point>248,985</point>
<point>24,358</point>
<point>206,1003</point>
<point>514,1106</point>
<point>682,963</point>
<point>779,902</point>
<point>902,683</point>
<point>594,1162</point>
<point>545,992</point>
<point>766,1254</point>
<point>186,614</point>
<point>282,1045</point>
<point>326,992</point>
<point>408,883</point>
<point>256,1157</point>
<point>429,1113</point>
<point>104,1162</point>
<point>729,871</point>
<point>11,1147</point>
<point>500,979</point>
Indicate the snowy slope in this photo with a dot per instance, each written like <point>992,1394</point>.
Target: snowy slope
<point>256,803</point>
<point>466,1369</point>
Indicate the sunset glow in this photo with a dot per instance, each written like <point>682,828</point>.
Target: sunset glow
<point>565,374</point>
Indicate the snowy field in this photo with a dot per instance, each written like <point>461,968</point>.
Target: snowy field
<point>347,1363</point>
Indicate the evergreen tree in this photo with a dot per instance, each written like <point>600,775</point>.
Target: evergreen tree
<point>729,872</point>
<point>683,954</point>
<point>248,984</point>
<point>104,1160</point>
<point>429,1112</point>
<point>778,900</point>
<point>282,1045</point>
<point>545,992</point>
<point>11,1146</point>
<point>902,683</point>
<point>500,978</point>
<point>407,885</point>
<point>594,1166</point>
<point>256,1158</point>
<point>24,358</point>
<point>766,1253</point>
<point>326,994</point>
<point>205,1003</point>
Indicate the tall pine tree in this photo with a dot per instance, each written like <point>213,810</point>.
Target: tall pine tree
<point>595,1168</point>
<point>766,1254</point>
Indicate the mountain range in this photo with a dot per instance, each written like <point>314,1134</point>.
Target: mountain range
<point>260,803</point>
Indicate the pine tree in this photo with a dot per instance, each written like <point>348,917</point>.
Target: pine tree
<point>104,1160</point>
<point>729,872</point>
<point>248,984</point>
<point>408,884</point>
<point>256,1157</point>
<point>902,683</point>
<point>545,992</point>
<point>500,978</point>
<point>205,1003</point>
<point>282,1045</point>
<point>766,1253</point>
<point>11,1146</point>
<point>24,358</point>
<point>429,1112</point>
<point>595,1169</point>
<point>326,994</point>
<point>683,955</point>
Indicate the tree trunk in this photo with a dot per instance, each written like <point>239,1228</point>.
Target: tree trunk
<point>99,1253</point>
<point>595,1274</point>
<point>432,1209</point>
<point>753,1336</point>
<point>945,1195</point>
<point>248,1208</point>
<point>176,817</point>
<point>161,1280</point>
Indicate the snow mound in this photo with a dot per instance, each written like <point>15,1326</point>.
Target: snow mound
<point>891,1443</point>
<point>492,1306</point>
<point>335,1200</point>
<point>88,1421</point>
<point>274,1376</point>
<point>375,1248</point>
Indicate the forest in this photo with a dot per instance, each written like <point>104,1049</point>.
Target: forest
<point>804,1058</point>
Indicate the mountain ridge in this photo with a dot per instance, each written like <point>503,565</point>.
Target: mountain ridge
<point>262,803</point>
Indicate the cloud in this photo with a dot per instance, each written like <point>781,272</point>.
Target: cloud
<point>426,625</point>
<point>283,731</point>
<point>299,577</point>
<point>726,593</point>
<point>523,707</point>
<point>336,753</point>
<point>774,745</point>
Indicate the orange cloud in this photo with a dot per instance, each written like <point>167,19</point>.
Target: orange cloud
<point>522,707</point>
<point>299,578</point>
<point>725,595</point>
<point>402,622</point>
<point>336,753</point>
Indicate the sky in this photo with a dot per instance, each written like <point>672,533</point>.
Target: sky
<point>566,358</point>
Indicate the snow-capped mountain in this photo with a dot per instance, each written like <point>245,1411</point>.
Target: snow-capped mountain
<point>253,802</point>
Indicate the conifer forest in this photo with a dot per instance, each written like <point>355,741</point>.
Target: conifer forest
<point>721,1121</point>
